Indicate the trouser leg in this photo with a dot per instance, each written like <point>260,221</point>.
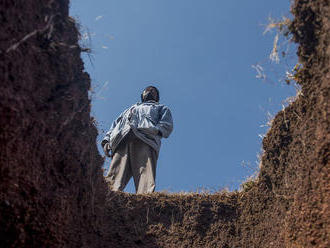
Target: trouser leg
<point>143,164</point>
<point>120,171</point>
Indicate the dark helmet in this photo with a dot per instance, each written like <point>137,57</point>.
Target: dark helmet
<point>150,93</point>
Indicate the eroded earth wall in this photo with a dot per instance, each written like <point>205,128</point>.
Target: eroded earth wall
<point>51,185</point>
<point>52,192</point>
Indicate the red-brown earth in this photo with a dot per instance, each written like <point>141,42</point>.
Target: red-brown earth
<point>52,193</point>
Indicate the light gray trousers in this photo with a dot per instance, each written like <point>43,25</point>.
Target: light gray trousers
<point>134,158</point>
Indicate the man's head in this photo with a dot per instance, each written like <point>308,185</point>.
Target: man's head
<point>150,93</point>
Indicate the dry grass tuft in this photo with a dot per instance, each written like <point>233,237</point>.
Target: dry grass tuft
<point>281,25</point>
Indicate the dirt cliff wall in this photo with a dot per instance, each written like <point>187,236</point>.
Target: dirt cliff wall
<point>52,192</point>
<point>51,187</point>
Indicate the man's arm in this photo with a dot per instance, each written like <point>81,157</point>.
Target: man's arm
<point>165,124</point>
<point>106,138</point>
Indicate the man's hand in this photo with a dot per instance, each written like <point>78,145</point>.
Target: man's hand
<point>107,149</point>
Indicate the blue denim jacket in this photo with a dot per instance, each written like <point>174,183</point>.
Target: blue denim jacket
<point>150,121</point>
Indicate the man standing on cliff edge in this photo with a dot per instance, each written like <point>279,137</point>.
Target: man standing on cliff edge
<point>134,140</point>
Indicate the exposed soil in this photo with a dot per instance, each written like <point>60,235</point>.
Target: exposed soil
<point>52,193</point>
<point>51,189</point>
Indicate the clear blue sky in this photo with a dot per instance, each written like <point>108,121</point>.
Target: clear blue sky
<point>200,56</point>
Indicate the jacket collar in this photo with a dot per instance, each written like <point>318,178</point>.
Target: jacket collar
<point>150,101</point>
